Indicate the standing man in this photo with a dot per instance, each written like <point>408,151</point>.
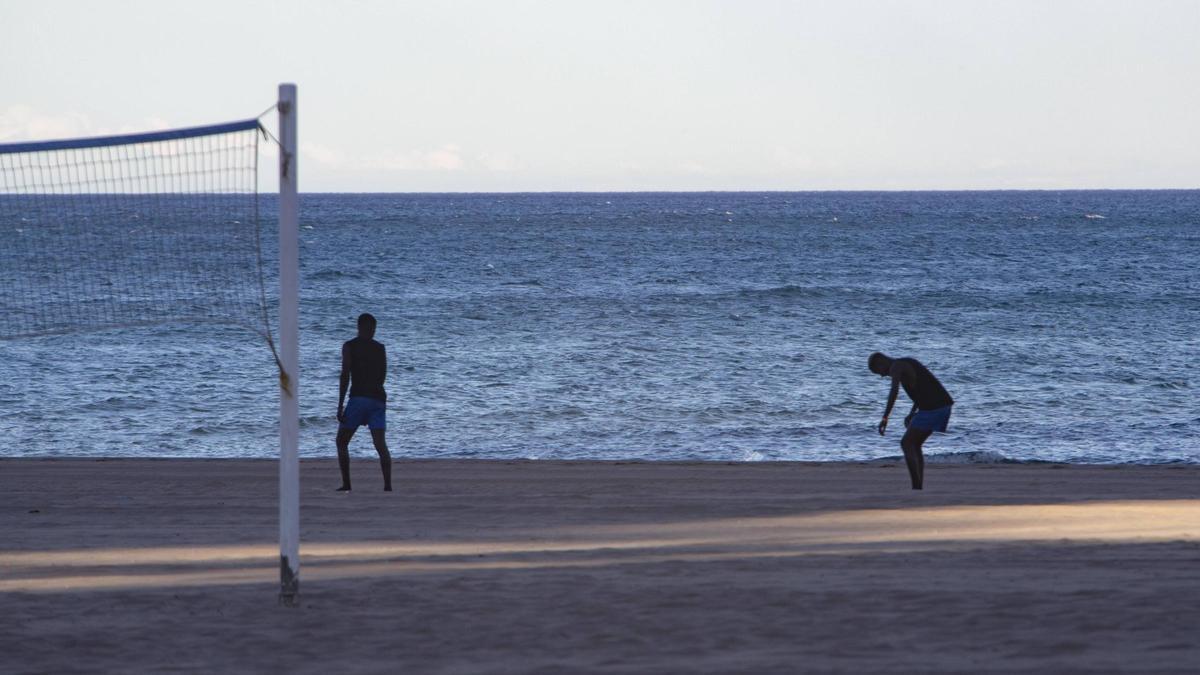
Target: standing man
<point>930,411</point>
<point>364,367</point>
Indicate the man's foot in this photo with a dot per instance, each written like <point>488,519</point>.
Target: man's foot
<point>344,488</point>
<point>387,488</point>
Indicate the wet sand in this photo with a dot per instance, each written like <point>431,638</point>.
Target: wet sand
<point>499,567</point>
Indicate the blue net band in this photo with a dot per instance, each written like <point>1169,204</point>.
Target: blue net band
<point>102,141</point>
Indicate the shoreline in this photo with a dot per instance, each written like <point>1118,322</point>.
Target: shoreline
<point>588,566</point>
<point>937,459</point>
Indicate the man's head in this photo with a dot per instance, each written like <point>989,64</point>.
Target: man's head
<point>366,325</point>
<point>880,364</point>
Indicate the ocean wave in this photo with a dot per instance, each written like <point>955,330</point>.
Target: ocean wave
<point>562,412</point>
<point>330,275</point>
<point>785,291</point>
<point>353,274</point>
<point>110,403</point>
<point>971,457</point>
<point>964,457</point>
<point>317,421</point>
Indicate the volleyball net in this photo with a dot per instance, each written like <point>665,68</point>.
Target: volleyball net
<point>130,230</point>
<point>105,233</point>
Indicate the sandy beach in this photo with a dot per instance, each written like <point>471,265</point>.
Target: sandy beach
<point>513,567</point>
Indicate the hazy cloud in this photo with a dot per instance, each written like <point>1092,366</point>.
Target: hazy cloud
<point>497,162</point>
<point>24,123</point>
<point>21,122</point>
<point>321,154</point>
<point>445,158</point>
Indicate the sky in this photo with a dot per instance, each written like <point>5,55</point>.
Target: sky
<point>644,95</point>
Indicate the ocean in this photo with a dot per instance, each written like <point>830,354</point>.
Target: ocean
<point>674,326</point>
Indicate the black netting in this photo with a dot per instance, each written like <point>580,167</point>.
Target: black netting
<point>161,230</point>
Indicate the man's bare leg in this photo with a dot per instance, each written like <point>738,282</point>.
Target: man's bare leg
<point>385,458</point>
<point>911,444</point>
<point>343,452</point>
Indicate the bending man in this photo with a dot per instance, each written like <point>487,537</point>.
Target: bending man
<point>930,411</point>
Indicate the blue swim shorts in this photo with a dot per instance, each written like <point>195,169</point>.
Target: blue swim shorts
<point>931,420</point>
<point>362,410</point>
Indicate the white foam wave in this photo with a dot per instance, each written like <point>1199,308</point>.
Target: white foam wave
<point>970,457</point>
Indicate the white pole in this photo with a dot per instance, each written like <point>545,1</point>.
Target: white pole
<point>289,351</point>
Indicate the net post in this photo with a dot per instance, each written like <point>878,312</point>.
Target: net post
<point>289,352</point>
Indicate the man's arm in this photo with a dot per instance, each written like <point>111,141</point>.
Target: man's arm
<point>344,380</point>
<point>898,371</point>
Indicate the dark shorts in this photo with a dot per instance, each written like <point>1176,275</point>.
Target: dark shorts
<point>931,420</point>
<point>362,410</point>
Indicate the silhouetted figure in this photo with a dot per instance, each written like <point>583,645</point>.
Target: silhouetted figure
<point>364,367</point>
<point>930,411</point>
